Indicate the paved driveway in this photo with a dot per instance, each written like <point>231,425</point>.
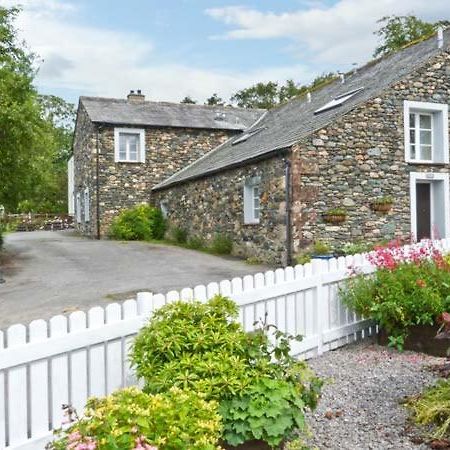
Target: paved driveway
<point>50,273</point>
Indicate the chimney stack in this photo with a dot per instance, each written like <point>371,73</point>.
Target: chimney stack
<point>342,77</point>
<point>136,97</point>
<point>440,37</point>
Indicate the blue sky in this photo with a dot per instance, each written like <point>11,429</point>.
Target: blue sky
<point>174,48</point>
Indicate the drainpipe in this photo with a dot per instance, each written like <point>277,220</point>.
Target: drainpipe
<point>98,185</point>
<point>287,183</point>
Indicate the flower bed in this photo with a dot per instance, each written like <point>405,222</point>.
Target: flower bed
<point>410,289</point>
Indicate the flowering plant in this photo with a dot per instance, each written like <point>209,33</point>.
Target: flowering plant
<point>411,286</point>
<point>130,419</point>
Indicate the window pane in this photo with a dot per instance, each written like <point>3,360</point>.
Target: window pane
<point>122,147</point>
<point>412,121</point>
<point>256,214</point>
<point>425,122</point>
<point>425,137</point>
<point>412,151</point>
<point>425,152</point>
<point>412,136</point>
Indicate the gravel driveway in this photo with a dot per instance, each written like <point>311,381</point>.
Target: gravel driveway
<point>360,408</point>
<point>49,273</point>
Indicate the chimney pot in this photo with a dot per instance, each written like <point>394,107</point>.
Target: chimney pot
<point>308,97</point>
<point>342,77</point>
<point>136,97</point>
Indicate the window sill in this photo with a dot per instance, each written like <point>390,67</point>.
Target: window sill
<point>429,163</point>
<point>254,222</point>
<point>129,162</point>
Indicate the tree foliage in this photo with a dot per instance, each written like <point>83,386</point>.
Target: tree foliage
<point>214,100</point>
<point>397,31</point>
<point>34,144</point>
<point>188,100</point>
<point>268,95</point>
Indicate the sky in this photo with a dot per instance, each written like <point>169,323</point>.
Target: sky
<point>175,48</point>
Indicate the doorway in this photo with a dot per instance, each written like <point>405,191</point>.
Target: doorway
<point>429,206</point>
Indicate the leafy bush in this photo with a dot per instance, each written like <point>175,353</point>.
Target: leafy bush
<point>221,244</point>
<point>2,230</point>
<point>410,287</point>
<point>200,347</point>
<point>433,408</point>
<point>131,419</point>
<point>321,248</point>
<point>141,223</point>
<point>179,235</point>
<point>196,242</point>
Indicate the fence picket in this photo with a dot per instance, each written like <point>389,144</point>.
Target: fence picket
<point>17,391</point>
<point>97,372</point>
<point>114,356</point>
<point>39,412</point>
<point>78,364</point>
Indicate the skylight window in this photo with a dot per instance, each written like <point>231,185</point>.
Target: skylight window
<point>247,134</point>
<point>338,101</point>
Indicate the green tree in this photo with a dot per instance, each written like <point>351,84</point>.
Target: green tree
<point>214,100</point>
<point>30,143</point>
<point>397,31</point>
<point>261,95</point>
<point>188,100</point>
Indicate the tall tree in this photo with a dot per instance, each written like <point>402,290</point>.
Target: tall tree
<point>214,100</point>
<point>397,31</point>
<point>261,95</point>
<point>29,142</point>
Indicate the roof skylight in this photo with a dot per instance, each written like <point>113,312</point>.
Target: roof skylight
<point>339,100</point>
<point>246,135</point>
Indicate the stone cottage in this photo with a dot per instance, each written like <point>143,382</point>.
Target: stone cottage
<point>379,131</point>
<point>123,148</point>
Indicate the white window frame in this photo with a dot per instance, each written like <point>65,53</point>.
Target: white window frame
<point>78,207</point>
<point>429,177</point>
<point>439,133</point>
<point>252,214</point>
<point>87,205</point>
<point>141,150</point>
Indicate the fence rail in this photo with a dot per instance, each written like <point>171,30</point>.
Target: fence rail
<point>67,359</point>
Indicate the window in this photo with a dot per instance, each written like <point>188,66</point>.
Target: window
<point>339,100</point>
<point>247,134</point>
<point>87,205</point>
<point>78,207</point>
<point>426,132</point>
<point>252,204</point>
<point>129,145</point>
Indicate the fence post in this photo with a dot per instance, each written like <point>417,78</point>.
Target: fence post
<point>322,312</point>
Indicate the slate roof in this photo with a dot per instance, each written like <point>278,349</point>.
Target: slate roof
<point>288,124</point>
<point>164,114</point>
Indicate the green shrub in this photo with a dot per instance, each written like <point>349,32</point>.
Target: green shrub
<point>432,408</point>
<point>200,347</point>
<point>221,244</point>
<point>303,259</point>
<point>141,223</point>
<point>196,242</point>
<point>179,235</point>
<point>2,230</point>
<point>321,248</point>
<point>175,420</point>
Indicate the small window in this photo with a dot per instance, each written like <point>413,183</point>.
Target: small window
<point>338,101</point>
<point>426,132</point>
<point>243,137</point>
<point>252,203</point>
<point>78,207</point>
<point>129,145</point>
<point>87,205</point>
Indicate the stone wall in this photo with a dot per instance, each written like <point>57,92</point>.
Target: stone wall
<point>215,204</point>
<point>361,157</point>
<point>123,185</point>
<point>84,152</point>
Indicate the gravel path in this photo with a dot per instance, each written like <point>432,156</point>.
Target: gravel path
<point>360,407</point>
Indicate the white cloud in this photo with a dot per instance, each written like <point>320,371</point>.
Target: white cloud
<point>95,61</point>
<point>337,34</point>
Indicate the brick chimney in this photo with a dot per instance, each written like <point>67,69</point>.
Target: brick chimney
<point>136,97</point>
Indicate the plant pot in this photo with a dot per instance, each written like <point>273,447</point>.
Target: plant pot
<point>249,445</point>
<point>421,338</point>
<point>334,218</point>
<point>329,256</point>
<point>381,207</point>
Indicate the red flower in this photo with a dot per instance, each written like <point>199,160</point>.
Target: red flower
<point>421,283</point>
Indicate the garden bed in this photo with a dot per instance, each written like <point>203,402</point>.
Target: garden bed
<point>421,338</point>
<point>361,404</point>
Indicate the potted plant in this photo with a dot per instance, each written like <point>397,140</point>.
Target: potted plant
<point>382,204</point>
<point>335,215</point>
<point>321,250</point>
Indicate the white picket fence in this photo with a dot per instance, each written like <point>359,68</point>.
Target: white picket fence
<point>67,359</point>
